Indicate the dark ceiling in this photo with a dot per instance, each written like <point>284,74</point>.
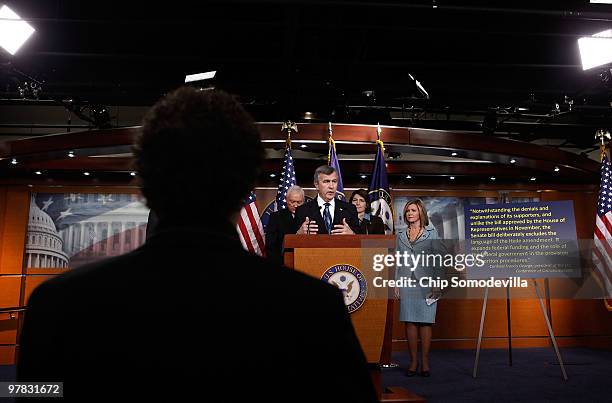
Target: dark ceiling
<point>475,59</point>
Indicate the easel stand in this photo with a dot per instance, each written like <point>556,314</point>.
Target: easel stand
<point>546,318</point>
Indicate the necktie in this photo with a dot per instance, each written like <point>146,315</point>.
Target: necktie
<point>327,218</point>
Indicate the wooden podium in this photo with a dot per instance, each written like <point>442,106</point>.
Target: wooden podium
<point>316,254</point>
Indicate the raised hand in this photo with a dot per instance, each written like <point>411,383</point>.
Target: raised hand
<point>342,229</point>
<point>308,227</point>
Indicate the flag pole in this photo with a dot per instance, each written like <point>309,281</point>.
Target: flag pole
<point>289,126</point>
<point>331,142</point>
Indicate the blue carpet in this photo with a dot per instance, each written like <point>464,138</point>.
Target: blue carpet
<point>534,376</point>
<point>7,374</point>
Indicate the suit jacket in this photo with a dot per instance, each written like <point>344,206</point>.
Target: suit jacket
<point>374,225</point>
<point>342,210</point>
<point>187,317</point>
<point>281,222</point>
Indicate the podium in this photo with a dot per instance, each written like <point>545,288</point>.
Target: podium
<point>340,260</point>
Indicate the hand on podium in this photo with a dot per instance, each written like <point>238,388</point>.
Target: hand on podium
<point>342,229</point>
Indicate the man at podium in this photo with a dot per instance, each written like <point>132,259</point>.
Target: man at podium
<point>326,214</point>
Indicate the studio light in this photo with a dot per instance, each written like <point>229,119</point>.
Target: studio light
<point>363,176</point>
<point>596,50</point>
<point>191,78</point>
<point>452,178</point>
<point>133,173</point>
<point>303,146</point>
<point>86,173</point>
<point>13,30</point>
<point>38,173</point>
<point>14,161</point>
<point>408,176</point>
<point>557,169</point>
<point>513,161</point>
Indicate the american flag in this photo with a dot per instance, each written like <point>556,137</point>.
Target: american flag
<point>287,179</point>
<point>602,252</point>
<point>332,160</point>
<point>83,227</point>
<point>250,229</point>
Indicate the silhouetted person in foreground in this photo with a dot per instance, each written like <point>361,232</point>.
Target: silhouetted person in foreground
<point>190,316</point>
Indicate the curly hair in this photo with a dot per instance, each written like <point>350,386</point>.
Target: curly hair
<point>197,148</point>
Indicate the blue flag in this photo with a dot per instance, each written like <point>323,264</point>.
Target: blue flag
<point>332,160</point>
<point>287,179</point>
<point>380,197</point>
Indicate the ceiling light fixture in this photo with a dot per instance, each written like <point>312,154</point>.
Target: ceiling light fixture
<point>532,178</point>
<point>513,161</point>
<point>596,50</point>
<point>13,30</point>
<point>38,173</point>
<point>492,178</point>
<point>408,176</point>
<point>557,169</point>
<point>86,173</point>
<point>191,78</point>
<point>452,178</point>
<point>14,161</point>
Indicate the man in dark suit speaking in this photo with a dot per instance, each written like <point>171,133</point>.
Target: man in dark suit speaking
<point>191,316</point>
<point>283,222</point>
<point>326,214</point>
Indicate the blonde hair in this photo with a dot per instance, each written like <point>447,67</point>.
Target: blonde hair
<point>423,217</point>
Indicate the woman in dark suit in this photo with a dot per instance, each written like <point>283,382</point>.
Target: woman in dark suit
<point>367,224</point>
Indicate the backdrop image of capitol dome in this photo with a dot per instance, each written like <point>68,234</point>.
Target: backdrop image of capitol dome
<point>67,230</point>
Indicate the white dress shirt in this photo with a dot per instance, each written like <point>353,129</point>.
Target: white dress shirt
<point>332,206</point>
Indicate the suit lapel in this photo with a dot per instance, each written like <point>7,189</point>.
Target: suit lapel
<point>338,213</point>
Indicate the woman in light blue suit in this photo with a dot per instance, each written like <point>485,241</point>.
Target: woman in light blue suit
<point>419,238</point>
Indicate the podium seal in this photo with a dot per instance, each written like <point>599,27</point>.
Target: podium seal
<point>350,281</point>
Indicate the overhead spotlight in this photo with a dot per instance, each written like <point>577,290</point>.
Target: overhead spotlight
<point>133,173</point>
<point>557,169</point>
<point>453,154</point>
<point>363,176</point>
<point>38,173</point>
<point>408,176</point>
<point>272,175</point>
<point>86,173</point>
<point>70,154</point>
<point>303,146</point>
<point>532,178</point>
<point>14,161</point>
<point>492,178</point>
<point>422,91</point>
<point>513,161</point>
<point>596,50</point>
<point>191,78</point>
<point>309,115</point>
<point>13,30</point>
<point>452,178</point>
